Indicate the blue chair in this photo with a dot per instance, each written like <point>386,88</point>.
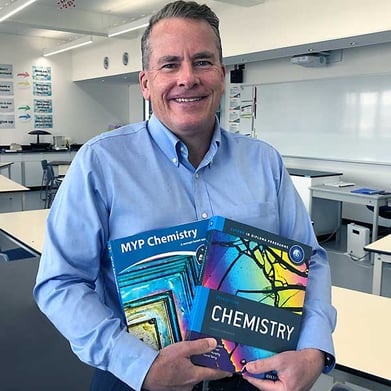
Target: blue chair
<point>14,254</point>
<point>341,387</point>
<point>385,212</point>
<point>50,183</point>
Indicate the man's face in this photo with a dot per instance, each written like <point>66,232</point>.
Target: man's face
<point>185,79</point>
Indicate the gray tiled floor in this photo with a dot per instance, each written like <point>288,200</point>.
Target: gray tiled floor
<point>349,273</point>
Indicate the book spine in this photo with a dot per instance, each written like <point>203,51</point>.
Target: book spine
<point>111,256</point>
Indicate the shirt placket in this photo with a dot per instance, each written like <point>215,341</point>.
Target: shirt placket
<point>201,195</point>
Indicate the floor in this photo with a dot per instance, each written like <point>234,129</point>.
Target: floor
<point>346,272</point>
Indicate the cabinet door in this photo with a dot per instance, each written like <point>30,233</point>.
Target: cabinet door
<point>33,173</point>
<point>16,172</point>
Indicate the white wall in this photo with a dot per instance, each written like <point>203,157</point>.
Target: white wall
<point>272,25</point>
<point>88,62</point>
<point>80,111</point>
<point>362,62</point>
<point>284,23</point>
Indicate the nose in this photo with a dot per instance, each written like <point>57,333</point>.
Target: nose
<point>187,76</point>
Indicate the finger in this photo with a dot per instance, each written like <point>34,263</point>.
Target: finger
<point>200,346</point>
<point>261,366</point>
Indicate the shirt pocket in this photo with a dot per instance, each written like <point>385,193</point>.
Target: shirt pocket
<point>263,215</point>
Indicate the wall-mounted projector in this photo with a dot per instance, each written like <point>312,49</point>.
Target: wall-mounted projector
<point>310,60</point>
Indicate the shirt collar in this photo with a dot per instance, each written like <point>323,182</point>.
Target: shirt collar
<point>175,150</point>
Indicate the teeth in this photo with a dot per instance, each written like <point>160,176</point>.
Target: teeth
<point>187,99</point>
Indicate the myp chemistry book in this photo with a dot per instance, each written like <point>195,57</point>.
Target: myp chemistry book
<point>251,295</point>
<point>156,274</point>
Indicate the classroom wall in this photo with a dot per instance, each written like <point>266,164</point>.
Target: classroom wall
<point>270,26</point>
<point>80,110</point>
<point>366,64</point>
<point>278,24</point>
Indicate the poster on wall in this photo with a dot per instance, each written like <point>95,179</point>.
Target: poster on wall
<point>42,89</point>
<point>234,109</point>
<point>6,88</point>
<point>43,106</point>
<point>42,73</point>
<point>7,121</point>
<point>247,110</point>
<point>6,71</point>
<point>42,121</point>
<point>7,105</point>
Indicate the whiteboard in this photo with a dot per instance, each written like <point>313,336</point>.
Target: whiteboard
<point>345,118</point>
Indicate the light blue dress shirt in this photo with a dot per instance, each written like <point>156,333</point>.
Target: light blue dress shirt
<point>139,178</point>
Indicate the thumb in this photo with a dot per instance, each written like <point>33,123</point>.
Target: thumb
<point>261,365</point>
<point>200,346</point>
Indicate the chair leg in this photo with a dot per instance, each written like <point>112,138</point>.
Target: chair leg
<point>44,185</point>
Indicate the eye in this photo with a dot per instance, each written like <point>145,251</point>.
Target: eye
<point>202,63</point>
<point>168,66</point>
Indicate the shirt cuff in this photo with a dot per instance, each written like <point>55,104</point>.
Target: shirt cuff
<point>329,362</point>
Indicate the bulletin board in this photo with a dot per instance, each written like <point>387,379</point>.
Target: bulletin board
<point>345,118</point>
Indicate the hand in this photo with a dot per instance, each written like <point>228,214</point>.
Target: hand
<point>173,369</point>
<point>297,370</point>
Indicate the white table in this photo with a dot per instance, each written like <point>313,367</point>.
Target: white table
<point>26,228</point>
<point>9,186</point>
<point>6,165</point>
<point>344,194</point>
<point>61,165</point>
<point>381,250</point>
<point>324,213</point>
<point>362,336</point>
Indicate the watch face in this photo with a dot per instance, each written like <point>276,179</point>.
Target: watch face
<point>125,58</point>
<point>106,62</point>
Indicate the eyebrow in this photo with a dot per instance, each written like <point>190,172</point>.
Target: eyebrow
<point>197,56</point>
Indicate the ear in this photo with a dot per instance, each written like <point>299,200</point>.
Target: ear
<point>144,84</point>
<point>223,69</point>
<point>223,72</point>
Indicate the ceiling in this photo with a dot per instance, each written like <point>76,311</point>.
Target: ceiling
<point>68,20</point>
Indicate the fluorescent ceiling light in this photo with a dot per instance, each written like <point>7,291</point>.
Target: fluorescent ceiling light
<point>68,46</point>
<point>14,8</point>
<point>125,28</point>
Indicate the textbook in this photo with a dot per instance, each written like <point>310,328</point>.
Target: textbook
<point>156,274</point>
<point>251,295</point>
<point>366,190</point>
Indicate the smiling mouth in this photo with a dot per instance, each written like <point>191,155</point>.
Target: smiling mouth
<point>188,100</point>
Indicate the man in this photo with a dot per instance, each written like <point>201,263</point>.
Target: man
<point>180,166</point>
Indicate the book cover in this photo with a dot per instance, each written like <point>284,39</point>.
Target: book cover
<point>366,190</point>
<point>156,274</point>
<point>251,295</point>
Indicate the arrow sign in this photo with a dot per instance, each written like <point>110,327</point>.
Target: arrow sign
<point>25,108</point>
<point>25,117</point>
<point>23,74</point>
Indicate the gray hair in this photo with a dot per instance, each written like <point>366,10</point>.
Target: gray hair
<point>180,9</point>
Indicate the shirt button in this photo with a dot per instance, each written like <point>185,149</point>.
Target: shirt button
<point>204,215</point>
<point>196,175</point>
<point>174,160</point>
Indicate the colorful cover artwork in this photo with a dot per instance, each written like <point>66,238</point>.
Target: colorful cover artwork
<point>156,274</point>
<point>251,295</point>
